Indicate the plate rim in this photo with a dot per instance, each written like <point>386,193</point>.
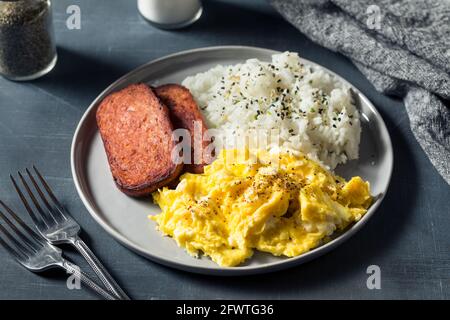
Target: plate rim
<point>232,271</point>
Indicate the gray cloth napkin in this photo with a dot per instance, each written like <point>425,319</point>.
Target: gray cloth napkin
<point>401,46</point>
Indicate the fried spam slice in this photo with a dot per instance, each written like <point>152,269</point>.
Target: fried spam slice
<point>185,114</point>
<point>137,135</point>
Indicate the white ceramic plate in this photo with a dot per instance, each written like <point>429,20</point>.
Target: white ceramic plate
<point>126,219</point>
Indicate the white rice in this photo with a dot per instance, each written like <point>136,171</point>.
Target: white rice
<point>311,109</point>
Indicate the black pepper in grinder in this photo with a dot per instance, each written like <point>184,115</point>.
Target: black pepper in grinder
<point>27,42</point>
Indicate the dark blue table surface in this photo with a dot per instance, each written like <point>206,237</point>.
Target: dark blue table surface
<point>408,238</point>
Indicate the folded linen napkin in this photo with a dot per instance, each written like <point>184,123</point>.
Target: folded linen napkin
<point>401,46</point>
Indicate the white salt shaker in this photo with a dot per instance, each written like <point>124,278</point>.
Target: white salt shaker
<point>170,14</point>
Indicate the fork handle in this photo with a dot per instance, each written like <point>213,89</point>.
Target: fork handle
<point>99,269</point>
<point>85,279</point>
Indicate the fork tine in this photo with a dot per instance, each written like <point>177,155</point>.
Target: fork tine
<point>48,218</point>
<point>24,226</point>
<point>38,221</point>
<point>50,192</point>
<point>55,213</point>
<point>18,232</point>
<point>25,250</point>
<point>16,254</point>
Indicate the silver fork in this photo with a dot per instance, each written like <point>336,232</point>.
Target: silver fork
<point>57,226</point>
<point>36,254</point>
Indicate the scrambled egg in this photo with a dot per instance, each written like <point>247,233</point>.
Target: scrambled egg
<point>282,204</point>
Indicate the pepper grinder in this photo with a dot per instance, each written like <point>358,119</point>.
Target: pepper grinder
<point>170,14</point>
<point>27,42</point>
